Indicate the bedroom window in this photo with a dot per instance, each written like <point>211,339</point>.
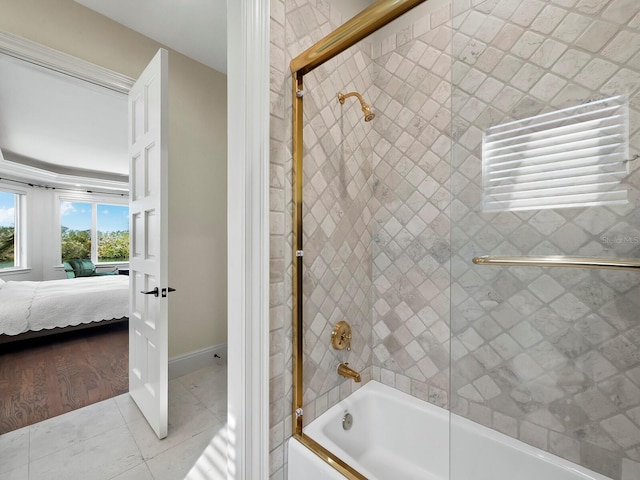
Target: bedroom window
<point>95,231</point>
<point>113,233</point>
<point>10,231</point>
<point>75,218</point>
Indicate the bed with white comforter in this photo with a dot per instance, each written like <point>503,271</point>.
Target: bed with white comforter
<point>33,306</point>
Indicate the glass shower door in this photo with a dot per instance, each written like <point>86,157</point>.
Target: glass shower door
<point>546,127</point>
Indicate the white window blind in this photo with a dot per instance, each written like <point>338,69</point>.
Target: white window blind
<point>567,158</point>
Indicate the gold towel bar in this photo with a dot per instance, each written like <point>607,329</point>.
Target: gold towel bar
<point>569,262</point>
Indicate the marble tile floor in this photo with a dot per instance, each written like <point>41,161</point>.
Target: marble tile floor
<point>110,440</point>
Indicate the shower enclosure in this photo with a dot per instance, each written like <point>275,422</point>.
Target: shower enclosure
<point>480,234</point>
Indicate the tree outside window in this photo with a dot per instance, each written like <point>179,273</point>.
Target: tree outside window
<point>75,218</point>
<point>95,231</point>
<point>8,202</point>
<point>113,233</point>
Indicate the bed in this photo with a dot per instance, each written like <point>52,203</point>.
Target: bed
<point>30,309</point>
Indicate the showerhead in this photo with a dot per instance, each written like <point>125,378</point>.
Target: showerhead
<point>368,114</point>
<point>366,109</point>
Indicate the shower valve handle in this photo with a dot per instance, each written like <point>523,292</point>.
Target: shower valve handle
<point>341,336</point>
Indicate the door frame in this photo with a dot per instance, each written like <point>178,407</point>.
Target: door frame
<point>248,58</point>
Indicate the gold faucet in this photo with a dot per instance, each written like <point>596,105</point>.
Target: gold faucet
<point>347,372</point>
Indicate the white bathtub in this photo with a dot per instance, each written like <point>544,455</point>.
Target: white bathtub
<point>398,437</point>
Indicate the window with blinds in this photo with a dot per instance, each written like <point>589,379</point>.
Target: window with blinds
<point>572,157</point>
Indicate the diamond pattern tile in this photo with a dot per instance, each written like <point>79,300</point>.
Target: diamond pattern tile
<point>560,326</point>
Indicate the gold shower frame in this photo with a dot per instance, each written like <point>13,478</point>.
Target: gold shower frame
<point>362,25</point>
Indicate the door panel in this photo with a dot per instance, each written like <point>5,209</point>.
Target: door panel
<point>148,319</point>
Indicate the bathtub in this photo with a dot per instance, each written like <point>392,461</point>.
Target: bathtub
<point>396,436</point>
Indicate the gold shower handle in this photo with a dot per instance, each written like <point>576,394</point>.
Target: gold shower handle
<point>341,336</point>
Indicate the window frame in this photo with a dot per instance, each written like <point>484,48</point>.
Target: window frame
<point>20,259</point>
<point>94,200</point>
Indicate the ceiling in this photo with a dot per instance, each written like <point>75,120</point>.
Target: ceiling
<point>64,125</point>
<point>54,119</point>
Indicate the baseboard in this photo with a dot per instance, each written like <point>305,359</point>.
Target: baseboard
<point>192,361</point>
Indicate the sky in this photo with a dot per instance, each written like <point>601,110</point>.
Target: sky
<point>77,216</point>
<point>7,210</point>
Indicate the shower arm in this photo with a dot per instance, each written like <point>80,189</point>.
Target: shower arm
<point>343,96</point>
<point>366,108</point>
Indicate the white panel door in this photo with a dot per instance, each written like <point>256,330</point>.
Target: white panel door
<point>148,263</point>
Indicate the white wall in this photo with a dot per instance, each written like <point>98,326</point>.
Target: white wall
<point>197,155</point>
<point>38,214</point>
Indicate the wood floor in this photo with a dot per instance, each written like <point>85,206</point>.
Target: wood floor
<point>45,377</point>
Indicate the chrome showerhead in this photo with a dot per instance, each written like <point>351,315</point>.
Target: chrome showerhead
<point>366,109</point>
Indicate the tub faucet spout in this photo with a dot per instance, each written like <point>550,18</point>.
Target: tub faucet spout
<point>347,372</point>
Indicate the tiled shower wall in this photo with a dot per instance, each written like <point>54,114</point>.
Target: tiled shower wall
<point>337,279</point>
<point>411,170</point>
<point>366,179</point>
<point>549,356</point>
<point>337,197</point>
<point>280,372</point>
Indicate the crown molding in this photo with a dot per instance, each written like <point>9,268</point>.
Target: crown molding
<point>24,173</point>
<point>43,56</point>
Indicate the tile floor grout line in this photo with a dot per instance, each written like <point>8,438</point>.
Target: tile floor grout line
<point>108,429</point>
<point>129,469</point>
<point>136,444</point>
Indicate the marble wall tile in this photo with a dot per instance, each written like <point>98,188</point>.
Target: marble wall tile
<point>561,347</point>
<point>280,239</point>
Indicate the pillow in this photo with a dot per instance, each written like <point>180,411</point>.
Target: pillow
<point>68,270</point>
<point>82,267</point>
